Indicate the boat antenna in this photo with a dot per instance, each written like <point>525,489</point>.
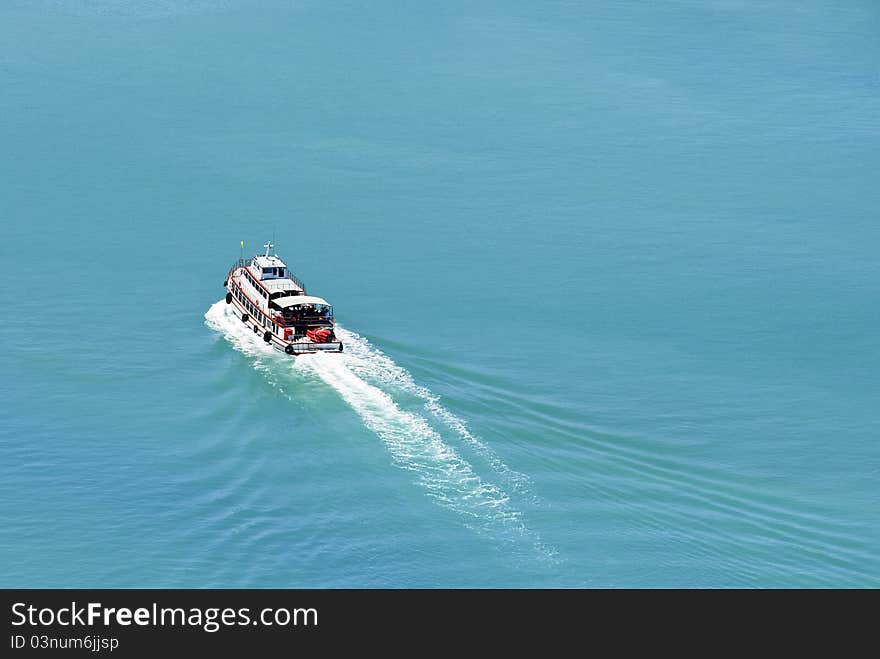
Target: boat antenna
<point>268,246</point>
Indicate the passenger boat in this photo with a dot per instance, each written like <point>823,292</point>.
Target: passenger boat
<point>268,297</point>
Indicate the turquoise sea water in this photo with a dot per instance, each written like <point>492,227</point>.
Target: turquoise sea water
<point>608,274</point>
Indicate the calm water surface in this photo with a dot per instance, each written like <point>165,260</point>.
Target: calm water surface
<point>608,274</point>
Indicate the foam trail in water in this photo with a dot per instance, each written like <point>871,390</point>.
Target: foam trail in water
<point>221,319</point>
<point>372,364</point>
<point>414,445</point>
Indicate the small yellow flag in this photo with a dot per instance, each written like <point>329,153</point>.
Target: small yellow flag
<point>242,244</point>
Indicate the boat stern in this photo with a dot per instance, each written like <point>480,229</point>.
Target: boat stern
<point>309,347</point>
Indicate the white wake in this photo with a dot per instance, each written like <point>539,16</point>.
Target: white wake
<point>373,365</point>
<point>414,445</point>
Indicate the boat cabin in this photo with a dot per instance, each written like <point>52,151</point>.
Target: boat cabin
<point>268,267</point>
<point>297,309</point>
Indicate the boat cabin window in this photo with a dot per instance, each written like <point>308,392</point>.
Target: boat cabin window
<point>273,273</point>
<point>308,312</point>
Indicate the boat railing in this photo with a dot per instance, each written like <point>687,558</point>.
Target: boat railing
<point>298,347</point>
<point>296,280</point>
<point>239,263</point>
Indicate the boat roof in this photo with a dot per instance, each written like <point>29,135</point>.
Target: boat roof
<point>293,300</point>
<point>269,262</point>
<point>285,284</point>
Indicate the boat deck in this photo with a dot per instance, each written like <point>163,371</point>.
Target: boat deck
<point>286,284</point>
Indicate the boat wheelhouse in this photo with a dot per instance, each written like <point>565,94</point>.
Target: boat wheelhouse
<point>269,298</point>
